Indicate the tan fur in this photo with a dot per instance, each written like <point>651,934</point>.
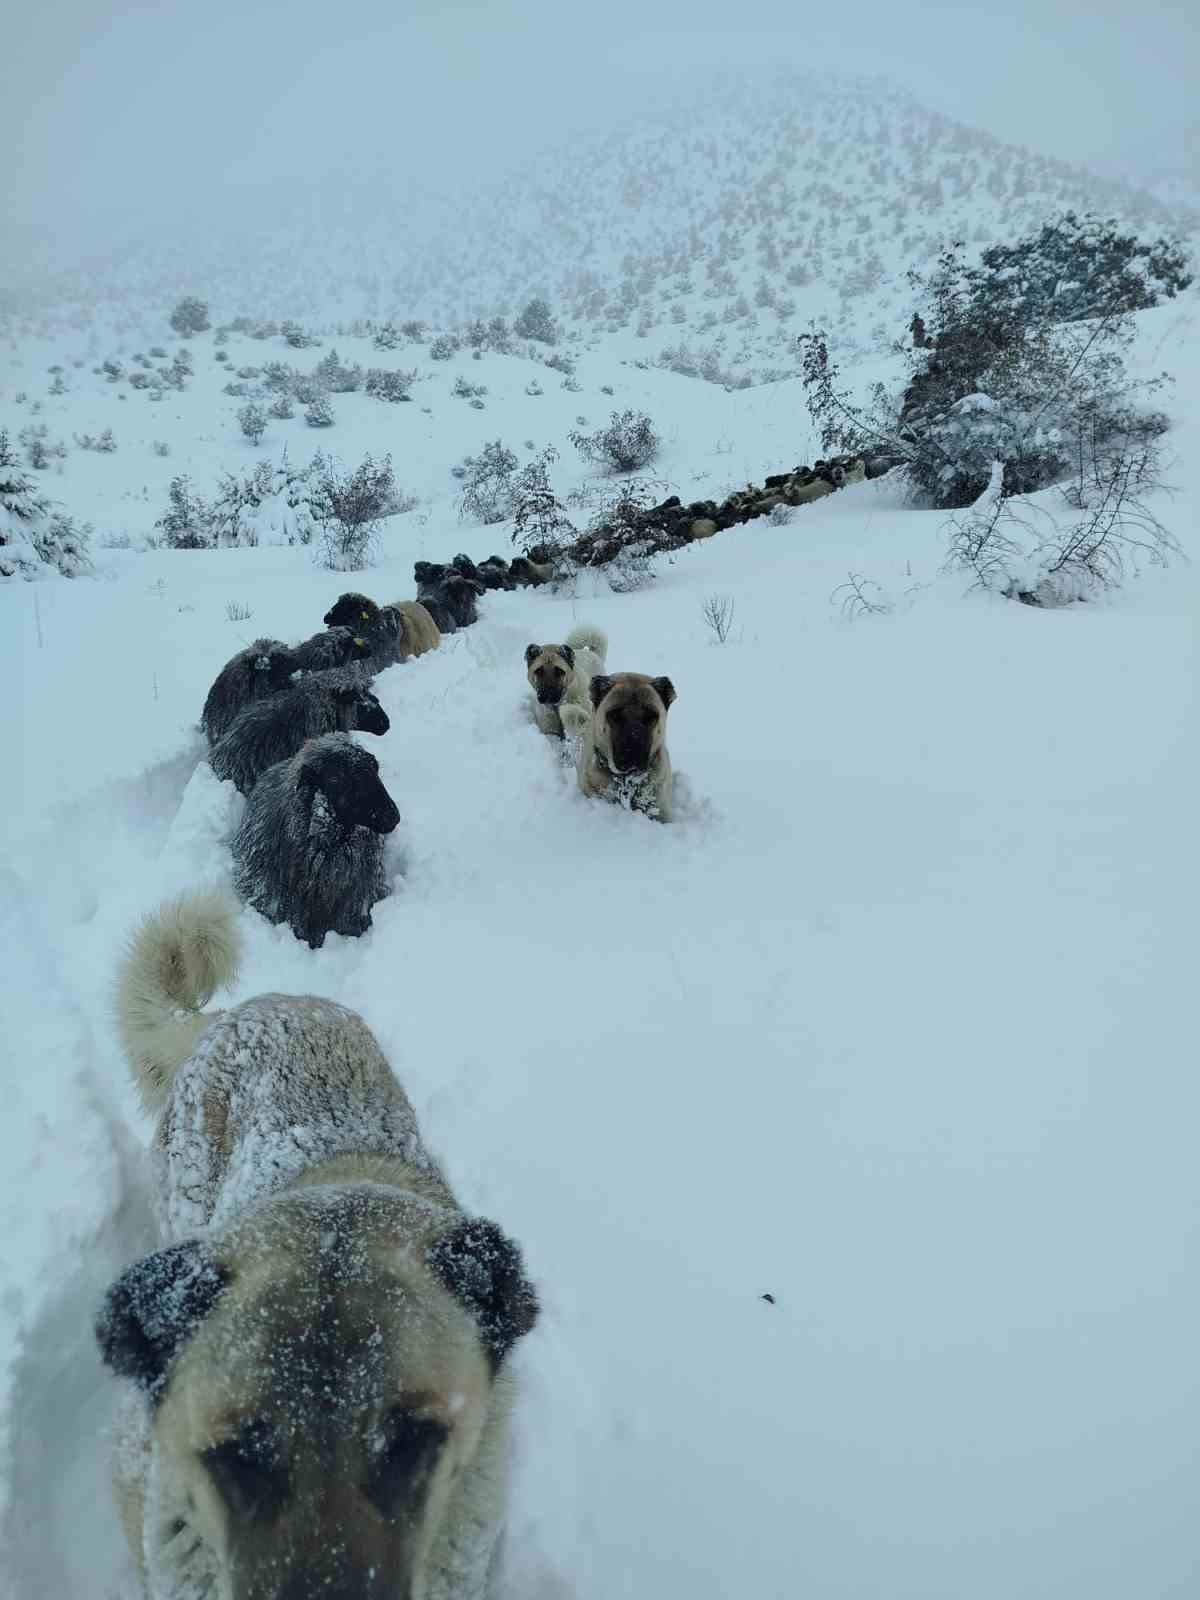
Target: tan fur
<point>547,668</point>
<point>175,963</point>
<point>420,631</point>
<point>624,694</point>
<point>287,1146</point>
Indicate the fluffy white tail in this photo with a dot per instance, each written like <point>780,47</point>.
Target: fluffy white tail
<point>588,637</point>
<point>176,961</point>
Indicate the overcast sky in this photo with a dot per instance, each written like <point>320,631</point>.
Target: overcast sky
<point>162,104</point>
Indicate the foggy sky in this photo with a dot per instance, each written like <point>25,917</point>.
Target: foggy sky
<point>169,108</point>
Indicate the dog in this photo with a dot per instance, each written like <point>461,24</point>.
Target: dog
<point>318,1387</point>
<point>559,674</point>
<point>623,741</point>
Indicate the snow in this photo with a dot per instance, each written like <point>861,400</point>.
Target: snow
<point>891,1024</point>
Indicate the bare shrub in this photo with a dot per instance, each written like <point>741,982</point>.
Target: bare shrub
<point>860,597</point>
<point>539,516</point>
<point>717,611</point>
<point>1014,548</point>
<point>348,507</point>
<point>489,484</point>
<point>235,611</point>
<point>627,444</point>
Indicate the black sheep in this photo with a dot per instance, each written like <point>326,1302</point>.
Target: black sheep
<point>262,668</point>
<point>309,849</point>
<point>273,729</point>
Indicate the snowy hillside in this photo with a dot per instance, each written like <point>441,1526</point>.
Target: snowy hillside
<point>705,242</point>
<point>847,1123</point>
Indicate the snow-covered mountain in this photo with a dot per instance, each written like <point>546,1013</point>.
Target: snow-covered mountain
<point>1166,166</point>
<point>709,240</point>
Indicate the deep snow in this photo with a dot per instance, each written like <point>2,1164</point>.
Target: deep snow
<point>894,1025</point>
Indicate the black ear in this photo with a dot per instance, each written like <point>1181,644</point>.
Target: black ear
<point>665,689</point>
<point>599,687</point>
<point>153,1309</point>
<point>568,655</point>
<point>532,650</point>
<point>482,1269</point>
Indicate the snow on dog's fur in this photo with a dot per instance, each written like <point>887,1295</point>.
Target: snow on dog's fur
<point>559,674</point>
<point>317,1356</point>
<point>623,742</point>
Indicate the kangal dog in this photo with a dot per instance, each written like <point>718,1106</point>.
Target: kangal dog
<point>559,674</point>
<point>319,1390</point>
<point>623,741</point>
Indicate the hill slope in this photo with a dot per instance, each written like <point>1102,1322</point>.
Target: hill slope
<point>888,1026</point>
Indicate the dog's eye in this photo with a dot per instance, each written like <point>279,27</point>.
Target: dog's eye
<point>649,715</point>
<point>406,1463</point>
<point>250,1476</point>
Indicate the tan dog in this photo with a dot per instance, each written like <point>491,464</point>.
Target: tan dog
<point>559,675</point>
<point>623,748</point>
<point>319,1390</point>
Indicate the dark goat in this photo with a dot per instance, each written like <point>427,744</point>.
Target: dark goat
<point>263,668</point>
<point>336,647</point>
<point>273,729</point>
<point>447,595</point>
<point>309,849</point>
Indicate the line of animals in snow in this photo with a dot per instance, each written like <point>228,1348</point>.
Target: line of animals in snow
<point>318,1389</point>
<point>309,849</point>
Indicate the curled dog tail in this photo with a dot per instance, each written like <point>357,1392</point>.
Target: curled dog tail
<point>588,637</point>
<point>178,958</point>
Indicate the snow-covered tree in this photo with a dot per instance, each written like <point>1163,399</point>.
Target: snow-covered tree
<point>253,420</point>
<point>189,316</point>
<point>536,321</point>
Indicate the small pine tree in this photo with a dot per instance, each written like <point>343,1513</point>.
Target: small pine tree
<point>253,420</point>
<point>318,413</point>
<point>281,406</point>
<point>186,524</point>
<point>536,321</point>
<point>190,316</point>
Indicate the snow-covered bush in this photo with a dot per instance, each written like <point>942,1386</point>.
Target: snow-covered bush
<point>318,413</point>
<point>1040,559</point>
<point>444,347</point>
<point>268,505</point>
<point>281,407</point>
<point>296,336</point>
<point>335,376</point>
<point>253,421</point>
<point>187,522</point>
<point>539,516</point>
<point>383,384</point>
<point>627,444</point>
<point>348,507</point>
<point>388,337</point>
<point>104,442</point>
<point>488,484</point>
<point>536,321</point>
<point>189,316</point>
<point>36,538</point>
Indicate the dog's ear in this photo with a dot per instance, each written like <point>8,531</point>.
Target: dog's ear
<point>482,1269</point>
<point>568,655</point>
<point>665,690</point>
<point>599,687</point>
<point>531,652</point>
<point>153,1309</point>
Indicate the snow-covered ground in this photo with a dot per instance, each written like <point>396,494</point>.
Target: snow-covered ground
<point>895,1024</point>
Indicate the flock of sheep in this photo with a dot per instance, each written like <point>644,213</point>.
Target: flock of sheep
<point>308,851</point>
